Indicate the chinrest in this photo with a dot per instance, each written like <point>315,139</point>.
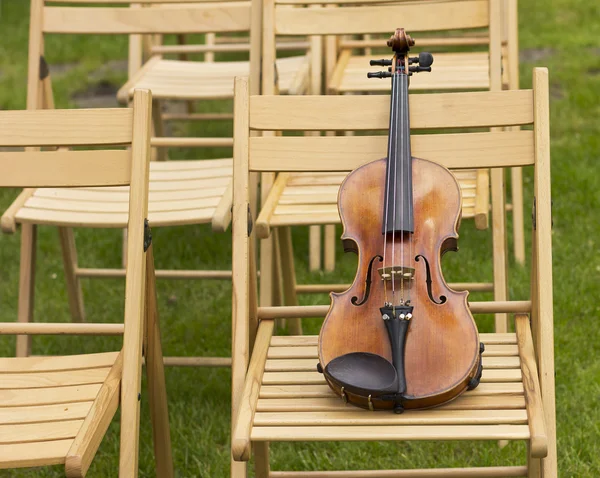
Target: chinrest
<point>362,373</point>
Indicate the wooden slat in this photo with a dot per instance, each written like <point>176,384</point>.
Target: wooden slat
<point>34,454</point>
<point>231,17</point>
<point>323,391</point>
<point>395,432</point>
<point>43,380</point>
<point>35,432</point>
<point>478,472</point>
<point>50,395</point>
<point>352,417</point>
<point>314,378</point>
<point>47,364</point>
<point>45,413</point>
<point>51,204</point>
<point>65,127</point>
<point>65,168</point>
<point>333,403</point>
<point>430,16</point>
<point>303,340</point>
<point>443,110</point>
<point>346,153</point>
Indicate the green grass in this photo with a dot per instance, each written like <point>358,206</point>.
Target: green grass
<point>195,316</point>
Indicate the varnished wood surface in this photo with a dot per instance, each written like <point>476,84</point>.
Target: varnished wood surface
<point>442,343</point>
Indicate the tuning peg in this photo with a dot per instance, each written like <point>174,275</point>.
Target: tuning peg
<point>418,69</point>
<point>382,62</point>
<point>379,74</point>
<point>424,59</point>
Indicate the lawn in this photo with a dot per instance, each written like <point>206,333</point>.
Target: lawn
<point>195,316</point>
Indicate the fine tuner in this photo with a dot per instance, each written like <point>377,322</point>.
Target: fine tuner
<point>424,61</point>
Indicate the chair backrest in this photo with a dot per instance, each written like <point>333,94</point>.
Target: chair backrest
<point>337,17</point>
<point>106,17</point>
<point>126,127</point>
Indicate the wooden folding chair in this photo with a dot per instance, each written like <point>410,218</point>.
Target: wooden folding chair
<point>302,199</point>
<point>181,192</point>
<point>56,410</point>
<point>278,395</point>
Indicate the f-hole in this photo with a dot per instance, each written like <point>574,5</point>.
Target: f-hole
<point>428,281</point>
<point>354,300</point>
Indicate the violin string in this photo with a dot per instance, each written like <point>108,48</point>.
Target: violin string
<point>402,166</point>
<point>411,198</point>
<point>395,149</point>
<point>387,196</point>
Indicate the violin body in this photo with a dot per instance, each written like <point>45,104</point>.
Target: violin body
<point>441,346</point>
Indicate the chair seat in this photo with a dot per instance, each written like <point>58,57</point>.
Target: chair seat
<point>181,192</point>
<point>43,404</point>
<point>192,80</point>
<point>296,404</point>
<point>311,198</point>
<point>450,71</point>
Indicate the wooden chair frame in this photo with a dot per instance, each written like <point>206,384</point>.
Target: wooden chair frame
<point>277,19</point>
<point>181,193</point>
<point>77,396</point>
<point>278,395</point>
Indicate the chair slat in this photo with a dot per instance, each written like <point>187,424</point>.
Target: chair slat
<point>65,168</point>
<point>41,380</point>
<point>447,110</point>
<point>34,454</point>
<point>393,432</point>
<point>346,153</point>
<point>66,127</point>
<point>323,391</point>
<point>350,417</point>
<point>50,395</point>
<point>332,403</point>
<point>36,432</point>
<point>303,340</point>
<point>47,364</point>
<point>314,378</point>
<point>44,413</point>
<point>105,20</point>
<point>426,16</point>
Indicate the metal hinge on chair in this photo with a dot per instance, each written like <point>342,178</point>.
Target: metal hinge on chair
<point>533,211</point>
<point>250,224</point>
<point>44,68</point>
<point>147,235</point>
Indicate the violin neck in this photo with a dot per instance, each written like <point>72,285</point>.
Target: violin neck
<point>398,208</point>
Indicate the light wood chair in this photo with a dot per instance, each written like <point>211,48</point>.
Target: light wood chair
<point>181,192</point>
<point>56,410</point>
<point>311,199</point>
<point>277,393</point>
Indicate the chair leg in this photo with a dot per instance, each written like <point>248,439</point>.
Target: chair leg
<point>517,213</point>
<point>157,389</point>
<point>329,248</point>
<point>69,253</point>
<point>288,272</point>
<point>239,469</point>
<point>534,468</point>
<point>26,285</point>
<point>499,245</point>
<point>314,248</point>
<point>261,460</point>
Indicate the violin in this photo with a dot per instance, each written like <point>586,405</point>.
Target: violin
<point>399,337</point>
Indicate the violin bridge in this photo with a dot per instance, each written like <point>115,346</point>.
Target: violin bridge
<point>396,273</point>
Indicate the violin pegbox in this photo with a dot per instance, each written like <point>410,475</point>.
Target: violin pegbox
<point>400,42</point>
